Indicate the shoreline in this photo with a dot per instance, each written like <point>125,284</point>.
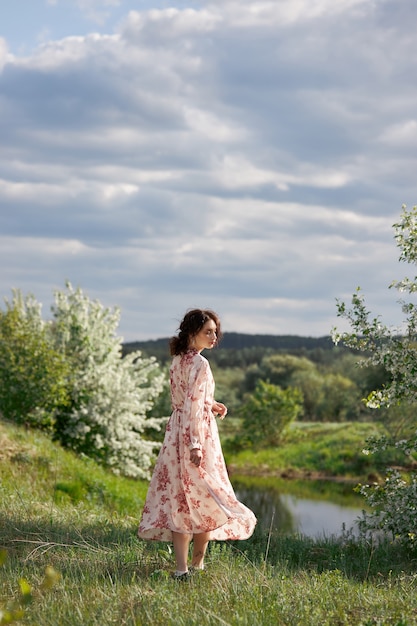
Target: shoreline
<point>262,471</point>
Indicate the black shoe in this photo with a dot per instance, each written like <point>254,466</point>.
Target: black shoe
<point>182,577</point>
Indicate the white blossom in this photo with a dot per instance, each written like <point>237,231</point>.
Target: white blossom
<point>110,395</point>
<point>394,503</point>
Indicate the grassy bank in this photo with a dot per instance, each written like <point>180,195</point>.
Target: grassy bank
<point>59,511</point>
<point>332,450</point>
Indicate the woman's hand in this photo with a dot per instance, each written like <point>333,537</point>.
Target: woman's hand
<point>195,456</point>
<point>219,409</point>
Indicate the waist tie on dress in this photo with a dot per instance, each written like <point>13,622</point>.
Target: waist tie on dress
<point>177,413</point>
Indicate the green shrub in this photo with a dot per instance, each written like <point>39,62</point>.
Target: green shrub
<point>32,372</point>
<point>266,414</point>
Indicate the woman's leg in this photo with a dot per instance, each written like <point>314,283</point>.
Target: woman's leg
<point>200,543</point>
<point>181,543</point>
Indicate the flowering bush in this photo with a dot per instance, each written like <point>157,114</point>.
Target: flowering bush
<point>109,395</point>
<point>69,375</point>
<point>394,503</point>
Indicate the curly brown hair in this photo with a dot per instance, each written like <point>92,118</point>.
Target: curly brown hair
<point>190,326</point>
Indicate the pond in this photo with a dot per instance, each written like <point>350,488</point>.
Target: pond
<point>311,508</point>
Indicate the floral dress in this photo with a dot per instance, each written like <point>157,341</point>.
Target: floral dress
<point>181,496</point>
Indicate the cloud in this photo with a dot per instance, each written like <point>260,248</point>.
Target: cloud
<point>250,157</point>
<point>283,14</point>
<point>403,134</point>
<point>3,53</point>
<point>160,26</point>
<point>98,11</point>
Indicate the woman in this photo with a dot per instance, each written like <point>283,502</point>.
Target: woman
<point>190,495</point>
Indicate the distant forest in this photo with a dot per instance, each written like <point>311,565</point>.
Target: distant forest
<point>240,350</point>
<point>328,376</point>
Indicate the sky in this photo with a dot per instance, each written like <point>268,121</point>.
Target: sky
<point>246,156</point>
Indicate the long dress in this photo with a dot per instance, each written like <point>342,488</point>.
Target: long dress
<point>181,496</point>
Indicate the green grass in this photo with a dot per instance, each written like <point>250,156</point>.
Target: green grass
<point>318,449</point>
<point>67,513</point>
<point>61,476</point>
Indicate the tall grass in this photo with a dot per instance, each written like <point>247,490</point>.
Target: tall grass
<point>67,513</point>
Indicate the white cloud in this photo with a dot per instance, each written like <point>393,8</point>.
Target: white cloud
<point>403,134</point>
<point>211,126</point>
<point>163,25</point>
<point>26,191</point>
<point>271,13</point>
<point>4,55</point>
<point>50,247</point>
<point>248,156</point>
<point>59,54</point>
<point>97,10</point>
<point>235,172</point>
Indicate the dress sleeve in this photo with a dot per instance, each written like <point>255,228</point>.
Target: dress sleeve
<point>195,402</point>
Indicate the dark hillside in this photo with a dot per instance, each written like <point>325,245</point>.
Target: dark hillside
<point>243,347</point>
<point>287,343</point>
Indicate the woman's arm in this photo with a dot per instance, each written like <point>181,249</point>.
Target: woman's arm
<point>194,405</point>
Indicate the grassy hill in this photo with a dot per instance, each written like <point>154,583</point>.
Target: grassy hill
<point>69,555</point>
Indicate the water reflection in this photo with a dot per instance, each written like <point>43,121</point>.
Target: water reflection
<point>311,508</point>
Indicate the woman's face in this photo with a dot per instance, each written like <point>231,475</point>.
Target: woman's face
<point>206,338</point>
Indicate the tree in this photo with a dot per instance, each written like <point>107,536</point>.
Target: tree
<point>32,372</point>
<point>279,369</point>
<point>395,502</point>
<point>340,399</point>
<point>266,414</point>
<point>110,396</point>
<point>310,382</point>
<point>69,375</point>
<point>322,392</point>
